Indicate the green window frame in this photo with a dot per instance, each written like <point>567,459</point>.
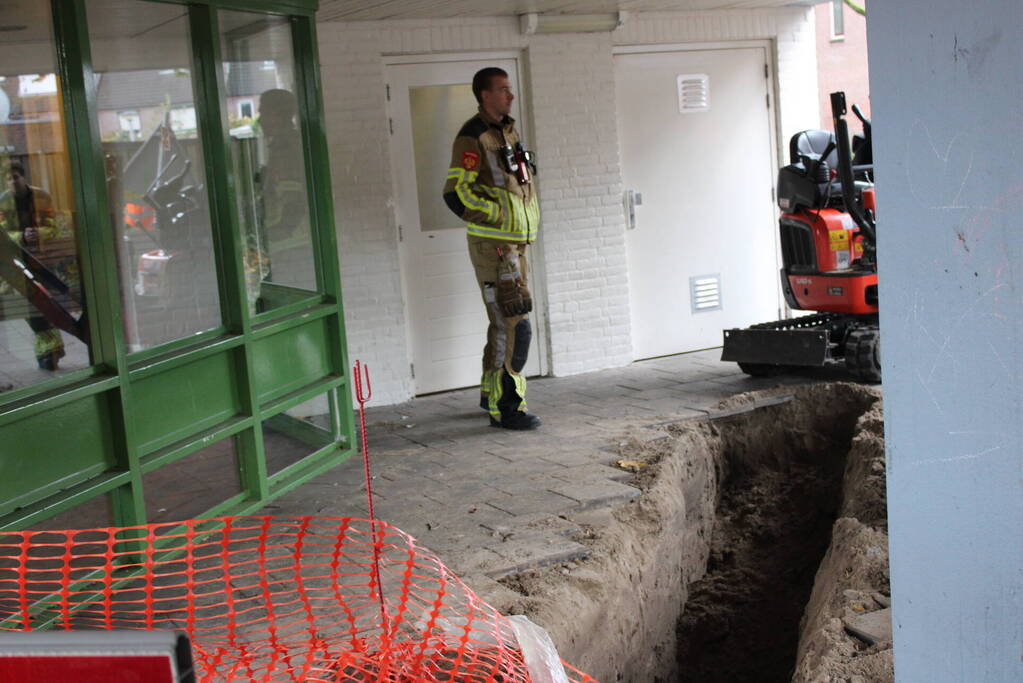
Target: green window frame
<point>119,413</point>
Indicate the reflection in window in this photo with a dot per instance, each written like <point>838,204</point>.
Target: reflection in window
<point>42,320</point>
<point>155,170</point>
<point>267,155</point>
<point>131,125</point>
<point>183,121</point>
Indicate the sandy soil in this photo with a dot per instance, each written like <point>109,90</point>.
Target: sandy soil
<point>853,577</point>
<point>613,615</point>
<point>741,623</point>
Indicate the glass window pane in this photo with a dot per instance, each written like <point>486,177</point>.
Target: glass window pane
<point>155,169</point>
<point>96,513</point>
<point>267,157</point>
<point>42,322</point>
<point>436,108</point>
<point>837,18</point>
<point>191,485</point>
<point>299,432</point>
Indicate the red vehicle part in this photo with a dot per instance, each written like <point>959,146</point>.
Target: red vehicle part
<point>870,200</point>
<point>856,294</point>
<point>828,243</point>
<point>819,248</point>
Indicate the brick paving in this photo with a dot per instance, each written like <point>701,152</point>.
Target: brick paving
<point>493,502</point>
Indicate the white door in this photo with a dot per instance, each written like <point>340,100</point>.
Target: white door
<point>696,146</point>
<point>446,320</point>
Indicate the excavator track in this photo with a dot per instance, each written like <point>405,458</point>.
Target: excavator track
<point>802,322</point>
<point>807,341</point>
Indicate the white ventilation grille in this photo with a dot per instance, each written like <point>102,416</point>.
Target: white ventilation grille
<point>705,293</point>
<point>693,93</point>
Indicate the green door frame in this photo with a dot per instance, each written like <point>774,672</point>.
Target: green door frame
<point>114,426</point>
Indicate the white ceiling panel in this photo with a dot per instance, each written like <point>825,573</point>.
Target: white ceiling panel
<point>368,10</point>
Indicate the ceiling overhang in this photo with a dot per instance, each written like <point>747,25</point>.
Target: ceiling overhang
<point>378,10</point>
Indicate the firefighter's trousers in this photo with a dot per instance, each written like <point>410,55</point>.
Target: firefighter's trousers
<point>508,338</point>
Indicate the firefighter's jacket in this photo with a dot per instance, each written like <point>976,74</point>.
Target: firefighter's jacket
<point>482,190</point>
<point>41,216</point>
<point>54,243</point>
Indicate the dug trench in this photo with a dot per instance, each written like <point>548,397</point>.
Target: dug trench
<point>758,541</point>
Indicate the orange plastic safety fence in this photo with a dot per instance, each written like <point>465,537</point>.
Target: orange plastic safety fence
<point>266,598</point>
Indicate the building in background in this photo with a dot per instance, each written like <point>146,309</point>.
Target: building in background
<point>842,57</point>
<point>639,121</point>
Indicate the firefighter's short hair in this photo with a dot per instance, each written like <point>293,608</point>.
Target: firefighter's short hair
<point>483,79</point>
<point>15,167</point>
<point>278,100</point>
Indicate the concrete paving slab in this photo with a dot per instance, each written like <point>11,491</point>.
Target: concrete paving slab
<point>525,502</point>
<point>531,523</point>
<point>872,627</point>
<point>598,493</point>
<point>591,473</point>
<point>523,554</point>
<point>476,561</point>
<point>570,459</point>
<point>496,502</point>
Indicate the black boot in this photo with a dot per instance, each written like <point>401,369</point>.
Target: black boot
<point>517,420</point>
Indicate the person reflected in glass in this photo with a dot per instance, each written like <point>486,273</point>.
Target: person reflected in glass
<point>29,221</point>
<point>281,254</point>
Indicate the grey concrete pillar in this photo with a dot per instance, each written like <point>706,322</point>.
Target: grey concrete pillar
<point>947,96</point>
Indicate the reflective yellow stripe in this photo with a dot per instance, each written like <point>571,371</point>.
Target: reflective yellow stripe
<point>497,391</point>
<point>533,212</point>
<point>47,342</point>
<point>492,233</point>
<point>519,221</point>
<point>513,215</point>
<point>296,240</point>
<point>463,188</point>
<point>495,200</point>
<point>520,389</point>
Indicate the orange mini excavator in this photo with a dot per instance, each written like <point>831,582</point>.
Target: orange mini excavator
<point>829,252</point>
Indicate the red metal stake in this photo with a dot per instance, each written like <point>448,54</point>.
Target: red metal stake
<point>362,397</point>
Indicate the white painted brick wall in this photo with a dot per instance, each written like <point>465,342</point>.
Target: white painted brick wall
<point>568,88</point>
<point>357,136</point>
<point>572,79</point>
<point>790,29</point>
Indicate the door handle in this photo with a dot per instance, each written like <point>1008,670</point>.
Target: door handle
<point>632,200</point>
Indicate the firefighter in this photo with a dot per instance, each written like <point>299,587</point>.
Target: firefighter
<point>489,186</point>
<point>28,218</point>
<point>280,251</point>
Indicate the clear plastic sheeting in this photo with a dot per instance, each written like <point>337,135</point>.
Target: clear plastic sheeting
<point>538,651</point>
